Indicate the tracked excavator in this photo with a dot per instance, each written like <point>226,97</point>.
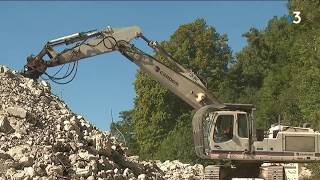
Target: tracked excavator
<point>222,131</point>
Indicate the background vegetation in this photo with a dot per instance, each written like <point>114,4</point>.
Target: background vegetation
<point>278,71</point>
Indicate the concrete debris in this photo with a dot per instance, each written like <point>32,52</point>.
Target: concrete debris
<point>142,177</point>
<point>177,170</point>
<point>17,112</point>
<point>53,170</point>
<point>41,138</point>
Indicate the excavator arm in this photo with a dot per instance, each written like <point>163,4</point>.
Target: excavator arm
<point>181,81</point>
<point>85,45</point>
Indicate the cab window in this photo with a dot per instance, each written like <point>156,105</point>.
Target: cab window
<point>223,128</point>
<point>242,125</point>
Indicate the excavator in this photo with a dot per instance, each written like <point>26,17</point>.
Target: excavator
<point>222,131</point>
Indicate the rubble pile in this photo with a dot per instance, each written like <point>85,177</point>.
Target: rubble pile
<point>40,138</point>
<point>176,170</point>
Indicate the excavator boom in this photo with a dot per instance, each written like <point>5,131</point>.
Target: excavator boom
<point>220,131</point>
<point>181,81</point>
<point>90,44</point>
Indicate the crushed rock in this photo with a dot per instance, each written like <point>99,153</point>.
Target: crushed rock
<point>41,138</point>
<point>177,170</point>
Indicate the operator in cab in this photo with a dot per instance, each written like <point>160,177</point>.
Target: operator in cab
<point>224,129</point>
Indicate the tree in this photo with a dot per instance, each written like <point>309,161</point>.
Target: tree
<point>157,111</point>
<point>178,144</point>
<point>278,71</point>
<point>124,131</point>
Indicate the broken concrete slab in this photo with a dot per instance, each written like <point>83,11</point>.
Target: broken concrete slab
<point>17,112</point>
<point>53,170</point>
<point>49,141</point>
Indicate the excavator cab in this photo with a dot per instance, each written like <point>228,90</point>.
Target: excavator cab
<point>222,130</point>
<point>219,132</point>
<point>229,132</point>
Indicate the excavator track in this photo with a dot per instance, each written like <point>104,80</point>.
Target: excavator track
<point>275,173</point>
<point>211,172</point>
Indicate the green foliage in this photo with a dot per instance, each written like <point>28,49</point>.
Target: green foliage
<point>124,131</point>
<point>158,112</point>
<point>310,13</point>
<point>177,144</point>
<point>155,112</point>
<point>278,71</point>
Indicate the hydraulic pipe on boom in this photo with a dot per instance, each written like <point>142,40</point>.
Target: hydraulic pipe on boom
<point>220,130</point>
<point>181,81</point>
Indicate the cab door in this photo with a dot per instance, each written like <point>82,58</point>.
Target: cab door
<point>230,132</point>
<point>242,134</point>
<point>222,133</point>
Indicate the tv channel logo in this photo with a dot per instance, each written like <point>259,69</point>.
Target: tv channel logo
<point>295,18</point>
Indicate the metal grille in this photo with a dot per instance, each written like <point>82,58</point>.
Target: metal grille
<point>300,143</point>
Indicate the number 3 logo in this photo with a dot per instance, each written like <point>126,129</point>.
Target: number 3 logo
<point>297,18</point>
